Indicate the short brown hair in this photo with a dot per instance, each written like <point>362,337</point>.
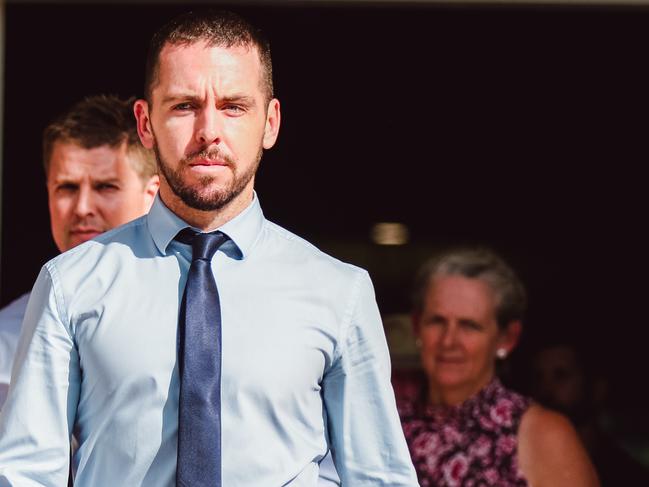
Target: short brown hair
<point>96,121</point>
<point>476,263</point>
<point>217,28</point>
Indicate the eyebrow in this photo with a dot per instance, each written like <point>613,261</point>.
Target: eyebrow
<point>235,98</point>
<point>179,97</point>
<point>114,180</point>
<point>238,98</point>
<point>94,181</point>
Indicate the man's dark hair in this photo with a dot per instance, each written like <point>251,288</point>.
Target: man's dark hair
<point>216,28</point>
<point>96,121</point>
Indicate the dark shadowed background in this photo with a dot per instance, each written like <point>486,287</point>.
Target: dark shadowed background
<point>522,128</point>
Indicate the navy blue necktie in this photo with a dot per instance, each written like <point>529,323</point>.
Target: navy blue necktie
<point>199,411</point>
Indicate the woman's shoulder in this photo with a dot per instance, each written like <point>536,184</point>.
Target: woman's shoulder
<point>550,452</point>
<point>545,425</point>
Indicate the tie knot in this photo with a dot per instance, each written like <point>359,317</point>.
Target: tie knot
<point>204,245</point>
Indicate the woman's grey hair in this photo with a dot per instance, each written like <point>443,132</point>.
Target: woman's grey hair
<point>476,263</point>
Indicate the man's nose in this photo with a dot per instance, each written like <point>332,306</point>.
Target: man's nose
<point>209,126</point>
<point>85,202</point>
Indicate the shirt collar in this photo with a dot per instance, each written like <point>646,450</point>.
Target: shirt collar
<point>243,229</point>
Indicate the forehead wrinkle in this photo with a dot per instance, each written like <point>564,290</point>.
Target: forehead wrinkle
<point>209,45</point>
<point>265,67</point>
<point>91,176</point>
<point>225,68</point>
<point>92,170</point>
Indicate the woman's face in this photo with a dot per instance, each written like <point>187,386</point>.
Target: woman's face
<point>459,335</point>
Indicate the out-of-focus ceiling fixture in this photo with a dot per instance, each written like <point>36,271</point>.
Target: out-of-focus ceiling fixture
<point>390,233</point>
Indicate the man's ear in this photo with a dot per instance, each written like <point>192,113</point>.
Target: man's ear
<point>510,336</point>
<point>273,120</point>
<point>141,110</point>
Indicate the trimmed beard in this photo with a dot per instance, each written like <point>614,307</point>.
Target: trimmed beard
<point>197,197</point>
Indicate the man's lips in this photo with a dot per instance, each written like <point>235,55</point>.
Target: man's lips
<point>207,162</point>
<point>86,233</point>
<point>208,166</point>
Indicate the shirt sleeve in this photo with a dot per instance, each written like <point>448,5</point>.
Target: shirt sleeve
<point>36,421</point>
<point>367,442</point>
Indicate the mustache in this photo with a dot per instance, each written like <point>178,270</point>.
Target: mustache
<point>87,223</point>
<point>210,154</point>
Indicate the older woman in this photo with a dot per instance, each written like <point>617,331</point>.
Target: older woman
<point>467,429</point>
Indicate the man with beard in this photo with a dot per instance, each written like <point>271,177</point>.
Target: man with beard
<point>99,176</point>
<point>208,346</point>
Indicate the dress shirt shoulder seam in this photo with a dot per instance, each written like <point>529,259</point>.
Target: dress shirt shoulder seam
<point>59,299</point>
<point>278,230</point>
<point>289,236</point>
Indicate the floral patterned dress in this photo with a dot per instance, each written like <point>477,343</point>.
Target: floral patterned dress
<point>473,444</point>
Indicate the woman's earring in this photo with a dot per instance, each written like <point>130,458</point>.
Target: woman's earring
<point>501,353</point>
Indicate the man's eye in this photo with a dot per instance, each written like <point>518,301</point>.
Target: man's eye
<point>106,187</point>
<point>236,109</point>
<point>66,188</point>
<point>182,107</point>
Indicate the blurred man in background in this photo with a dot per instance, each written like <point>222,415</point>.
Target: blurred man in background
<point>98,176</point>
<point>567,379</point>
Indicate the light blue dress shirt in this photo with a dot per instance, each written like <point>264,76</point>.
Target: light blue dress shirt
<point>304,359</point>
<point>328,475</point>
<point>11,317</point>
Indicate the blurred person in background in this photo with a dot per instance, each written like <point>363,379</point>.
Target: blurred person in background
<point>466,428</point>
<point>564,379</point>
<point>98,177</point>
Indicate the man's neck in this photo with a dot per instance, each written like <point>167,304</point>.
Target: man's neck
<point>206,221</point>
